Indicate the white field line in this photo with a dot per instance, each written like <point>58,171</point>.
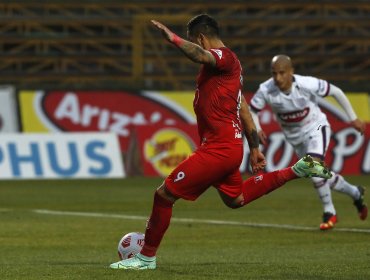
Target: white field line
<point>195,221</point>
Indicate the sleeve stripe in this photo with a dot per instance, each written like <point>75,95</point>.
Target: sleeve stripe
<point>327,90</point>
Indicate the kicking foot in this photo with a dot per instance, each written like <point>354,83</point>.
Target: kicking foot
<point>307,167</point>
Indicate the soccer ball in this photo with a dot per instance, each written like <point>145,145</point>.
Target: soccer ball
<point>130,245</point>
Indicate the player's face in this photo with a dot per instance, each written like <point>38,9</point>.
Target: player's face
<point>283,76</point>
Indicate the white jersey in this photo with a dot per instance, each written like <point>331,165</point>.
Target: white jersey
<point>298,112</point>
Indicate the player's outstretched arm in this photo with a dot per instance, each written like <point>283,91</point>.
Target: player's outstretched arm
<point>191,50</point>
<point>343,101</point>
<point>358,125</point>
<point>257,159</point>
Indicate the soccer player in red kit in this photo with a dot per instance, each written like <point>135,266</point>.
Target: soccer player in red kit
<point>222,115</point>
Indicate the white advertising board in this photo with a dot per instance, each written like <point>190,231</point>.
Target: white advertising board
<point>60,156</point>
<point>8,109</point>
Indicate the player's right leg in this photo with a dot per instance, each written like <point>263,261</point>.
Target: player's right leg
<point>312,168</point>
<point>329,217</point>
<point>316,145</point>
<point>187,181</point>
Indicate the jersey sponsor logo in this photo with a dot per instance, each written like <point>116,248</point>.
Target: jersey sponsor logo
<point>238,133</point>
<point>295,116</point>
<point>218,52</point>
<point>236,125</point>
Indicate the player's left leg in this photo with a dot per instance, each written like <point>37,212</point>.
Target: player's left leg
<point>316,146</point>
<point>339,184</point>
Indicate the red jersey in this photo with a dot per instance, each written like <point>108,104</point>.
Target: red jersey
<point>217,100</point>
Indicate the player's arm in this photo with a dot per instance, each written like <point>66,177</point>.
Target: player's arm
<point>191,50</point>
<point>257,159</point>
<point>261,134</point>
<point>257,103</point>
<point>249,125</point>
<point>343,101</point>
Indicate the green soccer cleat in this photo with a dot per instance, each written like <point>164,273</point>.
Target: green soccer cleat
<point>138,262</point>
<point>307,167</point>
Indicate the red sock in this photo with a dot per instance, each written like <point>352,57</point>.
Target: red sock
<point>260,185</point>
<point>157,225</point>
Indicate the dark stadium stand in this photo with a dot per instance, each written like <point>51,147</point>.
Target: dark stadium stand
<point>110,44</point>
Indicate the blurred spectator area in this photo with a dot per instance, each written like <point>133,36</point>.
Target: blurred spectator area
<point>111,44</point>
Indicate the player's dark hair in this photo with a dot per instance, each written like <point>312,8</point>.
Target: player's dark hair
<point>204,24</point>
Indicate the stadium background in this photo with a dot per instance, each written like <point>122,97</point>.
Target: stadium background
<point>101,44</point>
<point>99,48</point>
<point>83,66</point>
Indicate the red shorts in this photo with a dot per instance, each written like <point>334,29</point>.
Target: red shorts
<point>218,167</point>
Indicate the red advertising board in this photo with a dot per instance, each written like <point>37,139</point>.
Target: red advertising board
<point>107,111</point>
<point>155,150</point>
<point>124,112</point>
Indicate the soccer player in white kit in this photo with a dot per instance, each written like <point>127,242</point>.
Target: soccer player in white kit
<point>294,101</point>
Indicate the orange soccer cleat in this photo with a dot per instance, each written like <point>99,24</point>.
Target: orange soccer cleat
<point>328,221</point>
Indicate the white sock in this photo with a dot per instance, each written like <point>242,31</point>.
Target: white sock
<point>324,192</point>
<point>338,184</point>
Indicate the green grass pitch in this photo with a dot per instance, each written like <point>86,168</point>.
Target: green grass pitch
<point>39,245</point>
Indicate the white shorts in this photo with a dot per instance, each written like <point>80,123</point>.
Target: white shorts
<point>316,143</point>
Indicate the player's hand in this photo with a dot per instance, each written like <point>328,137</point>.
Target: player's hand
<point>359,125</point>
<point>257,160</point>
<point>262,136</point>
<point>167,34</point>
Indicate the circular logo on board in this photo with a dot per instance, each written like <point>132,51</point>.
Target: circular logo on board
<point>166,149</point>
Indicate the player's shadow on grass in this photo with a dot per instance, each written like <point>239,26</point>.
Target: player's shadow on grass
<point>198,268</point>
<point>78,263</point>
